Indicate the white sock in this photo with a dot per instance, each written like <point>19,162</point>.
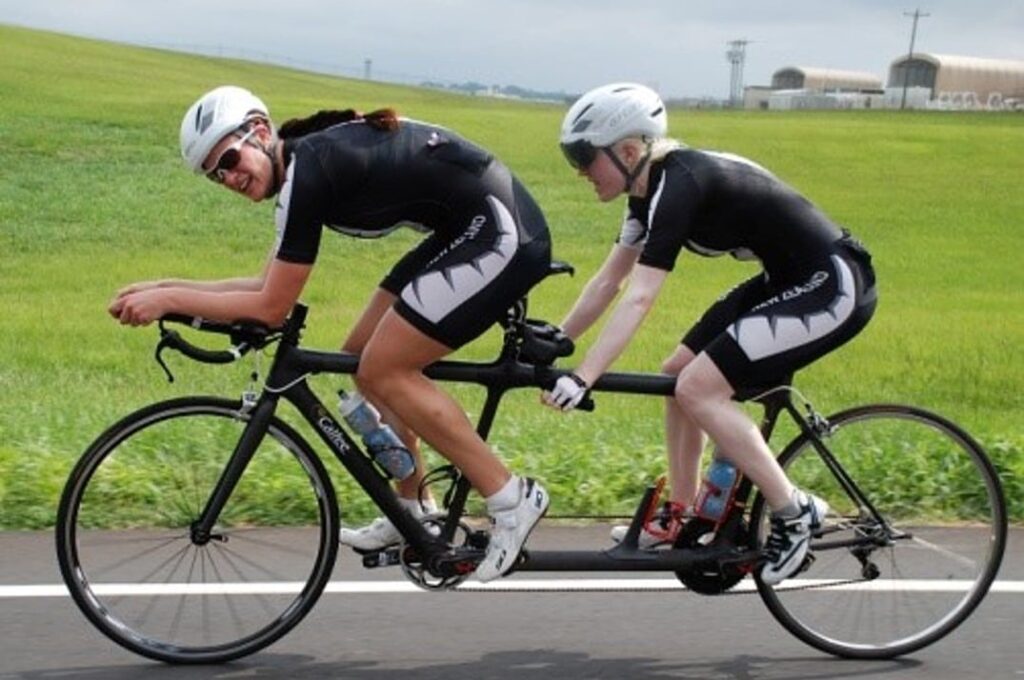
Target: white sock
<point>507,497</point>
<point>414,506</point>
<point>797,500</point>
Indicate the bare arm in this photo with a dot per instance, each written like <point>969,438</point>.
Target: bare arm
<point>268,302</point>
<point>247,283</point>
<point>600,290</point>
<point>629,313</point>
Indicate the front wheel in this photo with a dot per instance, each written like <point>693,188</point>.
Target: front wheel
<point>136,568</point>
<point>908,562</point>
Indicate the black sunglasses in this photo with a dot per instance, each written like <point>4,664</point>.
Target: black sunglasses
<point>580,153</point>
<point>228,159</point>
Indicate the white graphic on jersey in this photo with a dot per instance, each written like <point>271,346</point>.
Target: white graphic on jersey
<point>284,199</point>
<point>655,200</point>
<point>633,233</point>
<point>436,294</point>
<point>738,253</point>
<point>739,159</point>
<point>763,336</point>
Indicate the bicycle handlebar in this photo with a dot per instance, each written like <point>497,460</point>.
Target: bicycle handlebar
<point>245,336</point>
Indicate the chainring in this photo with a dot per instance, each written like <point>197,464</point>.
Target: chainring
<point>712,578</point>
<point>417,572</point>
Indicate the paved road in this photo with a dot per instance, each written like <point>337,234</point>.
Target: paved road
<point>502,635</point>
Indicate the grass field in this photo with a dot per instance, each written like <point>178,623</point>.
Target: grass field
<point>93,196</point>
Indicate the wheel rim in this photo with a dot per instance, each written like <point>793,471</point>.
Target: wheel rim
<point>131,562</point>
<point>936,565</point>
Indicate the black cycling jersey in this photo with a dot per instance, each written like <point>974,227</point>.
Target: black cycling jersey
<point>816,292</point>
<point>366,183</point>
<point>488,240</point>
<point>714,203</point>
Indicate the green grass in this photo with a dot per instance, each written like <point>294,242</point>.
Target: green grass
<point>93,196</point>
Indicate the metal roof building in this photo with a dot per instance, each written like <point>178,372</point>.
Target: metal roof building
<point>947,74</point>
<point>824,80</point>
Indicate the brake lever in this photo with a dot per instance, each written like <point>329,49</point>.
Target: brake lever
<point>166,340</point>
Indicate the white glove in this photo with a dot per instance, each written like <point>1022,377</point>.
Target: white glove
<point>568,392</point>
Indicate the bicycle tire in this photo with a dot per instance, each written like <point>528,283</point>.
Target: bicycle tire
<point>124,540</point>
<point>896,601</point>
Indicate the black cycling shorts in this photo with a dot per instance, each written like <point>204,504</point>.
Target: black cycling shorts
<point>454,289</point>
<point>759,333</point>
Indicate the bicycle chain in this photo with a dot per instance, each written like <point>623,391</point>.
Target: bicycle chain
<point>664,589</point>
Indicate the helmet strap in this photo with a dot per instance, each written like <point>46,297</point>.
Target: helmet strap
<point>271,154</point>
<point>629,175</point>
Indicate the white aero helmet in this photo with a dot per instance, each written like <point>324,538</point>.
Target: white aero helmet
<point>607,114</point>
<point>215,115</point>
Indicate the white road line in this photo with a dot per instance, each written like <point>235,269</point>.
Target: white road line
<point>525,585</point>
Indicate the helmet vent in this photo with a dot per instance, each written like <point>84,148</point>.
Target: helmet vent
<point>205,118</point>
<point>585,109</point>
<point>581,126</point>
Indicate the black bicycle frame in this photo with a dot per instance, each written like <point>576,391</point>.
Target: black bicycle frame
<point>287,379</point>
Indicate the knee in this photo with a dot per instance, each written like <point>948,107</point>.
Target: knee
<point>675,364</point>
<point>372,376</point>
<point>696,394</point>
<point>688,393</point>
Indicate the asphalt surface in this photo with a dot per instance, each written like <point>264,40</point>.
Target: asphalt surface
<point>548,634</point>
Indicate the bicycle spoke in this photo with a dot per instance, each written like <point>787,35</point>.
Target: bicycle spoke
<point>913,578</point>
<point>161,594</point>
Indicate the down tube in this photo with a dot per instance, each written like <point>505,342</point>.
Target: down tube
<point>358,465</point>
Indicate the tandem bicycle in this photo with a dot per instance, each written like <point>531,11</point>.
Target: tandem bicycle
<point>187,563</point>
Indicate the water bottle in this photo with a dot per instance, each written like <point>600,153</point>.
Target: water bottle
<point>381,441</point>
<point>716,489</point>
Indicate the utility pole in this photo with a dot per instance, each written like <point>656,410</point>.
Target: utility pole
<point>906,69</point>
<point>367,67</point>
<point>736,55</point>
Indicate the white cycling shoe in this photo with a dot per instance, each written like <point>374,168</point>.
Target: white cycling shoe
<point>790,539</point>
<point>511,528</point>
<point>381,533</point>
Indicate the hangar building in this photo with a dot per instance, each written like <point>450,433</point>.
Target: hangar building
<point>946,75</point>
<point>824,80</point>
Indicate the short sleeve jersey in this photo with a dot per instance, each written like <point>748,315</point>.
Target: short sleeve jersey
<point>713,203</point>
<point>366,183</point>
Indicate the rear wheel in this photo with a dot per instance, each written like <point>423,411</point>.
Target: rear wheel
<point>136,568</point>
<point>879,589</point>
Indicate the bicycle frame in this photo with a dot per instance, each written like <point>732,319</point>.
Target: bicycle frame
<point>287,379</point>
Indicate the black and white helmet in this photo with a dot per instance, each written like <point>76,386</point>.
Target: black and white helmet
<point>212,117</point>
<point>608,114</point>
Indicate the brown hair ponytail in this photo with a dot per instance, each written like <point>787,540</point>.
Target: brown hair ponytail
<point>381,119</point>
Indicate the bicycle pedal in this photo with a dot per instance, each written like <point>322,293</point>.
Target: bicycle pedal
<point>381,558</point>
<point>478,540</point>
<point>806,564</point>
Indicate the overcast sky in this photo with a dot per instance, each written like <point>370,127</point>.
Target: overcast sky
<point>677,46</point>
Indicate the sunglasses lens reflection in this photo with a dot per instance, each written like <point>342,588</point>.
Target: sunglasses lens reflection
<point>580,154</point>
<point>228,160</point>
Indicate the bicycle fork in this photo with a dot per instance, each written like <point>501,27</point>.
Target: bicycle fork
<point>252,435</point>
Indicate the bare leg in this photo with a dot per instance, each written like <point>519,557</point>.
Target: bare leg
<point>703,392</point>
<point>683,438</point>
<point>391,372</point>
<point>358,337</point>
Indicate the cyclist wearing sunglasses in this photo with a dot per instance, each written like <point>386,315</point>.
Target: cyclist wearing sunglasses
<point>816,291</point>
<point>365,176</point>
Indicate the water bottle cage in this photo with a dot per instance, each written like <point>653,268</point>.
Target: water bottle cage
<point>722,501</point>
<point>542,343</point>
